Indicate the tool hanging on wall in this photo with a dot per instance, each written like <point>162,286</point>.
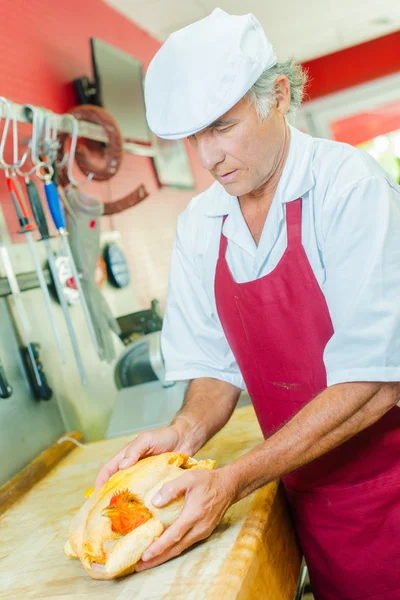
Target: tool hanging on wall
<point>5,388</point>
<point>57,213</point>
<point>83,215</point>
<point>95,159</point>
<point>23,218</point>
<point>26,229</point>
<point>30,350</point>
<point>41,222</point>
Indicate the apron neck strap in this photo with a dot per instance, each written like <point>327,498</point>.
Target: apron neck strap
<point>223,241</point>
<point>293,222</point>
<point>293,227</point>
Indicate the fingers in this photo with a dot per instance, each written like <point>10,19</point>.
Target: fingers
<point>195,534</point>
<point>128,456</point>
<point>164,439</point>
<point>170,538</point>
<point>136,450</point>
<point>173,489</point>
<point>109,469</point>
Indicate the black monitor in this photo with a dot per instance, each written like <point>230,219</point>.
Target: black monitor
<point>118,87</point>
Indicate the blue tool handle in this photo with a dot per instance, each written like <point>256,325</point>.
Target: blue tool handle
<point>55,206</point>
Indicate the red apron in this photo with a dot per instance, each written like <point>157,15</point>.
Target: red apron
<point>345,504</point>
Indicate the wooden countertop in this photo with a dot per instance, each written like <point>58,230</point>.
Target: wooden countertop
<point>251,555</point>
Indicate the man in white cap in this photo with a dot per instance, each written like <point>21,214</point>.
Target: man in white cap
<point>285,280</point>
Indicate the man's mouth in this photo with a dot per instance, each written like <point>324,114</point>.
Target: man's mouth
<point>227,176</point>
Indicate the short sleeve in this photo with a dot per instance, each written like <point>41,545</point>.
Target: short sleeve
<point>193,341</point>
<point>361,255</point>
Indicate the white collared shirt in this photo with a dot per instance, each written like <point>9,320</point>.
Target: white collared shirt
<point>351,235</point>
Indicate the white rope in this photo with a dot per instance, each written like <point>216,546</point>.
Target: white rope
<point>66,438</point>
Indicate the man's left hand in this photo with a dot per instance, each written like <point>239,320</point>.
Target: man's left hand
<point>208,495</point>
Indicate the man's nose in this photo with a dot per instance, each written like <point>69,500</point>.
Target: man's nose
<point>209,153</point>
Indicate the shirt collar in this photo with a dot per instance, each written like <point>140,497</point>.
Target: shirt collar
<point>296,180</point>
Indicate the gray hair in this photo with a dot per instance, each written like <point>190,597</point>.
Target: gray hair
<point>263,93</point>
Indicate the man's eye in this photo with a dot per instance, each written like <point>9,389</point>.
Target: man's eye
<point>223,129</point>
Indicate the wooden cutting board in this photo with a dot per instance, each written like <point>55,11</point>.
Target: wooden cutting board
<point>251,555</point>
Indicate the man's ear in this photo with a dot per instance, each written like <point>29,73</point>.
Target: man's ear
<point>282,91</point>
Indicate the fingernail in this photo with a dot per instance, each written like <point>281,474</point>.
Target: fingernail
<point>147,556</point>
<point>124,464</point>
<point>157,500</point>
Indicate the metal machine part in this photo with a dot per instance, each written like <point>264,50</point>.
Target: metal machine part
<point>143,322</point>
<point>142,362</point>
<point>117,266</point>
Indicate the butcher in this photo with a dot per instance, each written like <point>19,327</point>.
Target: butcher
<point>284,281</point>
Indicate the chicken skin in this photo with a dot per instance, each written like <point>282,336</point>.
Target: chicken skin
<point>118,522</point>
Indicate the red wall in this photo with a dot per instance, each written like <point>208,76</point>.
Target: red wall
<point>353,66</point>
<point>44,45</point>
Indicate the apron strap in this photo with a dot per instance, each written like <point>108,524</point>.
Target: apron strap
<point>223,241</point>
<point>293,227</point>
<point>293,223</point>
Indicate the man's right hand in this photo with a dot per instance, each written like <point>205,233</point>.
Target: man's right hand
<point>147,443</point>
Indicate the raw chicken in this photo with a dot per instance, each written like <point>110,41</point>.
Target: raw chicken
<point>118,522</point>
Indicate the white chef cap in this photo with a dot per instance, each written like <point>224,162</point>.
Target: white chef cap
<point>202,71</point>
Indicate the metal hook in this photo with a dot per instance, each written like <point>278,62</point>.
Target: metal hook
<point>55,143</point>
<point>71,157</point>
<point>37,123</point>
<point>50,143</point>
<point>10,115</point>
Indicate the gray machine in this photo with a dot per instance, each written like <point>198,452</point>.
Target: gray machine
<point>145,400</point>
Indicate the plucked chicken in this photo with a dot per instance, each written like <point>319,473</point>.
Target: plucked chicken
<point>118,522</point>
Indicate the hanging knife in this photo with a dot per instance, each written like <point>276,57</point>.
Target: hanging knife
<point>26,229</point>
<point>5,388</point>
<point>41,222</point>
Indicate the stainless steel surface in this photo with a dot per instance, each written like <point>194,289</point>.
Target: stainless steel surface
<point>26,426</point>
<point>145,406</point>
